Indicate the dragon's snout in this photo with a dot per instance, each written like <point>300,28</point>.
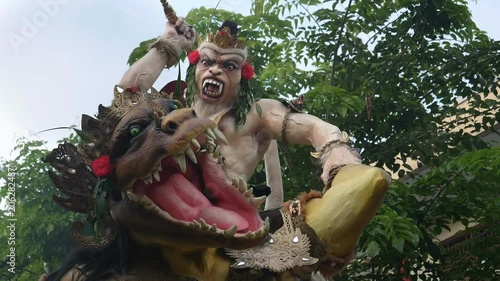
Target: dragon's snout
<point>172,121</point>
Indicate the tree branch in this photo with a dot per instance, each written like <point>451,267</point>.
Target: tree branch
<point>380,30</point>
<point>395,62</point>
<point>337,46</point>
<point>430,92</point>
<point>311,15</point>
<point>440,192</point>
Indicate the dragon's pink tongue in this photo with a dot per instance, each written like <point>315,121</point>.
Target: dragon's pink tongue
<point>183,201</point>
<point>224,219</point>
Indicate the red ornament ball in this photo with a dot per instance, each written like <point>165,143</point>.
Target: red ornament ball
<point>102,166</point>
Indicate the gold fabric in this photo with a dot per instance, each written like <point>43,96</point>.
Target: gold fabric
<point>347,207</point>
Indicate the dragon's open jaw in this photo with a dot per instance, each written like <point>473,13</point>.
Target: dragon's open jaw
<point>197,193</point>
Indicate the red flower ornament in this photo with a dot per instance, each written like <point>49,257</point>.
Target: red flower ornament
<point>102,166</point>
<point>194,57</point>
<point>247,71</point>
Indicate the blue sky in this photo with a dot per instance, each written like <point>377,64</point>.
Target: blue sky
<point>61,58</point>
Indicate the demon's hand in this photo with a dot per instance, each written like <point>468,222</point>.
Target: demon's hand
<point>181,34</point>
<point>335,155</point>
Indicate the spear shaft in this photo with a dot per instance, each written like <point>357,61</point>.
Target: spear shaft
<point>169,12</point>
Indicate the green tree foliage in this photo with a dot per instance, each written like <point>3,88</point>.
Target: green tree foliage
<point>41,227</point>
<point>464,189</point>
<point>392,73</point>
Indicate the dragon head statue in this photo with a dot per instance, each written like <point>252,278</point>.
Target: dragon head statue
<point>154,168</point>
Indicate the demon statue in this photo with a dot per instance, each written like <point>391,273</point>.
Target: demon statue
<point>163,182</point>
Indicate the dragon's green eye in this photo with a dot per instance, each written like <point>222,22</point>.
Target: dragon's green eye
<point>135,130</point>
<point>174,107</point>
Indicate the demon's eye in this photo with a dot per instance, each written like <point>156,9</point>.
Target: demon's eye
<point>206,62</point>
<point>230,66</point>
<point>135,130</point>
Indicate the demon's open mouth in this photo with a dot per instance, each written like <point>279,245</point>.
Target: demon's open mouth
<point>197,192</point>
<point>212,88</point>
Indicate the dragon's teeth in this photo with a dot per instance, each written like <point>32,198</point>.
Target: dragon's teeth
<point>196,144</point>
<point>216,153</point>
<point>257,201</point>
<point>149,207</point>
<point>125,190</point>
<point>148,179</point>
<point>210,147</point>
<point>210,133</point>
<point>181,160</point>
<point>210,142</point>
<point>204,224</point>
<point>132,197</point>
<point>159,168</point>
<point>146,201</point>
<point>220,136</point>
<point>220,160</point>
<point>230,232</point>
<point>242,185</point>
<point>196,224</point>
<point>235,182</point>
<point>190,154</point>
<point>250,235</point>
<point>156,175</point>
<point>242,189</point>
<point>153,209</point>
<point>249,192</point>
<point>263,230</point>
<point>213,228</point>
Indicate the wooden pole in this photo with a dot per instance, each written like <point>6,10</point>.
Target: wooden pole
<point>169,12</point>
